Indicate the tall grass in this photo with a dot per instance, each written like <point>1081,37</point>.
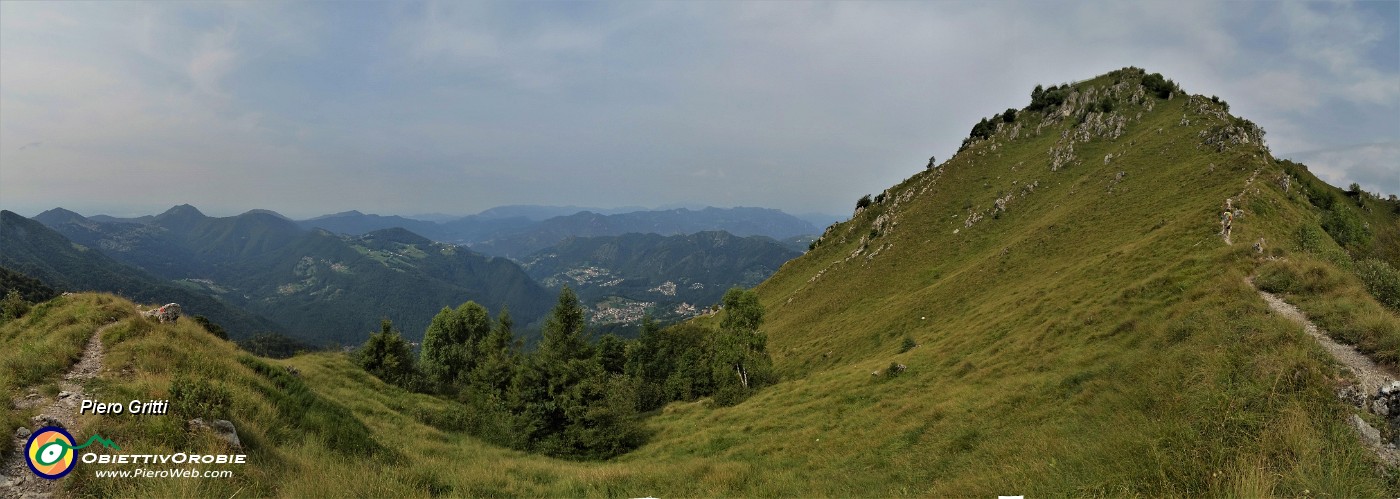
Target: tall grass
<point>1095,339</point>
<point>1338,302</point>
<point>36,348</point>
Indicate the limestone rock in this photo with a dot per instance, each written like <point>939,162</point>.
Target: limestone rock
<point>1368,433</point>
<point>1352,394</point>
<point>167,313</point>
<point>221,428</point>
<point>45,420</point>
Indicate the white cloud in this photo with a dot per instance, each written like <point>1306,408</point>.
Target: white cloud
<point>1331,41</point>
<point>1376,167</point>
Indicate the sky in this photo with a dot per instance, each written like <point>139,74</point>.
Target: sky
<point>128,108</point>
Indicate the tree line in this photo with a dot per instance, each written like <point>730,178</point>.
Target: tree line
<point>573,396</point>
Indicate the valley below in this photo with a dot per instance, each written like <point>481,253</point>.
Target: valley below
<point>1114,290</point>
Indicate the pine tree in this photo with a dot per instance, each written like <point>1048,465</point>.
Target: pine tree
<point>498,359</point>
<point>387,356</point>
<point>545,392</point>
<point>566,404</point>
<point>563,338</point>
<point>611,354</point>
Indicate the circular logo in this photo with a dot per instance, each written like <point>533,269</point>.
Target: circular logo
<point>50,452</point>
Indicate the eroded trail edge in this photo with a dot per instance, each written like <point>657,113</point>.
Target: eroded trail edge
<point>62,410</point>
<point>1376,387</point>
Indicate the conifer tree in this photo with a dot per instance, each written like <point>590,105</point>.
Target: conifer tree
<point>387,356</point>
<point>498,359</point>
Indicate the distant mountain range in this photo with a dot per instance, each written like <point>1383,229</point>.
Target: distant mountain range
<point>538,212</point>
<point>328,280</point>
<point>35,251</point>
<point>516,231</point>
<point>737,221</point>
<point>319,286</point>
<point>356,223</point>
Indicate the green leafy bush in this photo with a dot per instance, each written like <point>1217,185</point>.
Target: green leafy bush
<point>1048,98</point>
<point>1381,280</point>
<point>1159,86</point>
<point>730,394</point>
<point>13,306</point>
<point>895,370</point>
<point>450,343</point>
<point>982,130</point>
<point>1310,239</point>
<point>1345,226</point>
<point>1224,105</point>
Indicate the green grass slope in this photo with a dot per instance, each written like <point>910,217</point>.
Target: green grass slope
<point>1093,336</point>
<point>36,349</point>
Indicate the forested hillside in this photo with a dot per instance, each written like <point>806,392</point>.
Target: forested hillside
<point>322,287</point>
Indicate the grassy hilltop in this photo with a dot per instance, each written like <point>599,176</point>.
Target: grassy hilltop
<point>1078,328</point>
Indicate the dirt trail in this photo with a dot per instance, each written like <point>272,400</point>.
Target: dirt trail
<point>17,480</point>
<point>1370,377</point>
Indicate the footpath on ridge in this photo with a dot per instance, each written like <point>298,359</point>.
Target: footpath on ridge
<point>16,480</point>
<point>1376,387</point>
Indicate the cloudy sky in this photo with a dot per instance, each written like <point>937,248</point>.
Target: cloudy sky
<point>311,108</point>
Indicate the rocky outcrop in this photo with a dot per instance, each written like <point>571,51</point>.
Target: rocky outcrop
<point>220,428</point>
<point>168,313</point>
<point>1384,403</point>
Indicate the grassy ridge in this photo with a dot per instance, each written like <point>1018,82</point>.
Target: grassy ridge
<point>36,349</point>
<point>1082,421</point>
<point>1094,337</point>
<point>1089,291</point>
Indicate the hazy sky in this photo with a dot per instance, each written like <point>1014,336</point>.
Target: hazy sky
<point>311,108</point>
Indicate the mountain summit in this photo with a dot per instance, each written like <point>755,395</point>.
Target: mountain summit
<point>1067,316</point>
<point>1088,299</point>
